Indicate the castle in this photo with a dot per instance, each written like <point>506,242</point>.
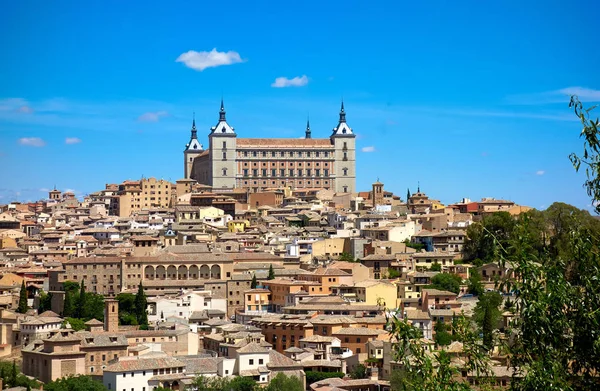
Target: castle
<point>260,163</point>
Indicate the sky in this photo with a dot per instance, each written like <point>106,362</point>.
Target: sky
<point>464,98</point>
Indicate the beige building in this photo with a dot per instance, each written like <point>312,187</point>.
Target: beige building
<point>146,193</point>
<point>257,164</point>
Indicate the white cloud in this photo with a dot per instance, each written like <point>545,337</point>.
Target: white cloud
<point>202,60</point>
<point>368,149</point>
<point>152,116</point>
<point>32,141</point>
<point>562,95</point>
<point>297,81</point>
<point>540,172</point>
<point>72,140</point>
<point>582,92</point>
<point>44,190</point>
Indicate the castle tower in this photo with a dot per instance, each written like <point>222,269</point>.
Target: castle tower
<point>111,315</point>
<point>344,141</point>
<point>222,146</point>
<point>192,150</point>
<point>308,133</point>
<point>377,193</point>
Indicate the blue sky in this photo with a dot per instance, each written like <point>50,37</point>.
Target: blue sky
<point>468,98</point>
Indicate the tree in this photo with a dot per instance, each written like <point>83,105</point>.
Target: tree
<point>487,316</point>
<point>479,244</point>
<point>45,302</point>
<point>254,282</point>
<point>94,308</point>
<point>446,282</point>
<point>76,323</point>
<point>407,195</point>
<point>314,376</point>
<point>13,374</point>
<point>23,307</point>
<point>591,150</point>
<point>141,307</point>
<point>271,273</point>
<point>241,383</point>
<point>282,382</point>
<point>75,383</point>
<point>442,336</point>
<point>346,257</point>
<point>436,267</point>
<point>393,274</point>
<point>68,305</point>
<point>359,372</point>
<point>474,285</point>
<point>80,307</point>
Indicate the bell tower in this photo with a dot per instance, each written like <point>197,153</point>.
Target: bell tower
<point>222,145</point>
<point>192,150</point>
<point>111,315</point>
<point>344,143</point>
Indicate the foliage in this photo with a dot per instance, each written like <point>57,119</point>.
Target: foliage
<point>433,372</point>
<point>75,383</point>
<point>22,308</point>
<point>313,376</point>
<point>141,306</point>
<point>45,302</point>
<point>76,323</point>
<point>240,383</point>
<point>442,336</point>
<point>436,267</point>
<point>282,382</point>
<point>556,345</point>
<point>393,274</point>
<point>591,150</point>
<point>487,315</point>
<point>12,376</point>
<point>446,282</point>
<point>346,257</point>
<point>359,372</point>
<point>416,246</point>
<point>479,245</point>
<point>271,273</point>
<point>94,308</point>
<point>80,304</point>
<point>71,288</point>
<point>254,282</point>
<point>474,285</point>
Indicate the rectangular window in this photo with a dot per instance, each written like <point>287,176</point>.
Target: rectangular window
<point>291,172</point>
<point>325,172</point>
<point>308,172</point>
<point>246,172</point>
<point>251,361</point>
<point>224,144</point>
<point>224,155</point>
<point>273,172</point>
<point>317,172</point>
<point>254,172</point>
<point>299,172</point>
<point>264,172</point>
<point>282,172</point>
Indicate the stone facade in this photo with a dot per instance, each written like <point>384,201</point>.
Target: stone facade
<point>258,164</point>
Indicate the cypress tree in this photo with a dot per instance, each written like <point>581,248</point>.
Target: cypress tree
<point>68,305</point>
<point>254,283</point>
<point>271,273</point>
<point>81,302</point>
<point>22,308</point>
<point>13,374</point>
<point>141,305</point>
<point>407,195</point>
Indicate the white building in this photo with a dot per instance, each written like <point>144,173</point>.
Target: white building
<point>137,373</point>
<point>184,305</point>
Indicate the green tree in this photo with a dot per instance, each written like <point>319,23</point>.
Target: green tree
<point>436,267</point>
<point>14,374</point>
<point>442,336</point>
<point>141,307</point>
<point>241,383</point>
<point>271,273</point>
<point>282,382</point>
<point>75,383</point>
<point>346,257</point>
<point>479,244</point>
<point>76,324</point>
<point>45,302</point>
<point>254,282</point>
<point>446,282</point>
<point>487,315</point>
<point>474,285</point>
<point>393,274</point>
<point>359,372</point>
<point>23,307</point>
<point>94,308</point>
<point>68,305</point>
<point>590,158</point>
<point>314,376</point>
<point>80,307</point>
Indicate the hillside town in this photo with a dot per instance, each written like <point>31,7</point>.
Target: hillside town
<point>236,282</point>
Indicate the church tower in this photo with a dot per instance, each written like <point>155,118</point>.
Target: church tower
<point>192,150</point>
<point>377,193</point>
<point>222,146</point>
<point>344,142</point>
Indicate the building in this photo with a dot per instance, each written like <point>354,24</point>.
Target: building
<point>257,164</point>
<point>146,193</point>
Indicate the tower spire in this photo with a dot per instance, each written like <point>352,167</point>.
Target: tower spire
<point>222,112</point>
<point>342,113</point>
<point>418,187</point>
<point>194,131</point>
<point>308,135</point>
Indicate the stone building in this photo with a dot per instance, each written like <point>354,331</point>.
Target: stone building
<point>257,164</point>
